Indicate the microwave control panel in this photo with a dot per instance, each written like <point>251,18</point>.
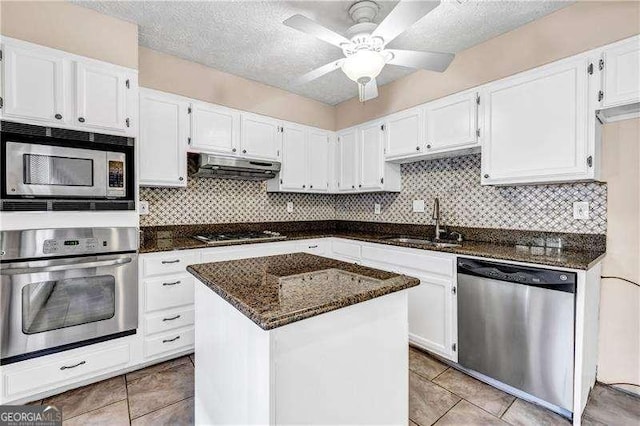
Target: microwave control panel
<point>80,245</point>
<point>116,178</point>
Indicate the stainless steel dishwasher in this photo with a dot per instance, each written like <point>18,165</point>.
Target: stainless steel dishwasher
<point>516,325</point>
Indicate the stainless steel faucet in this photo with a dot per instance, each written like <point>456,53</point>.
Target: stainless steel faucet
<point>436,215</point>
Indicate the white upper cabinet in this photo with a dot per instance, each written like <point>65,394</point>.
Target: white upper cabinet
<point>404,134</point>
<point>164,129</point>
<point>536,126</point>
<point>621,68</point>
<point>101,97</point>
<point>294,158</point>
<point>318,160</point>
<point>260,137</point>
<point>451,123</point>
<point>34,85</point>
<point>347,160</point>
<point>371,150</point>
<point>214,129</point>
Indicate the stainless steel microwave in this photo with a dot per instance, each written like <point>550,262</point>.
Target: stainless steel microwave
<point>65,170</point>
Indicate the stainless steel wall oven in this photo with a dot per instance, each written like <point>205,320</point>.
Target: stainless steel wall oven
<point>65,288</point>
<point>46,168</point>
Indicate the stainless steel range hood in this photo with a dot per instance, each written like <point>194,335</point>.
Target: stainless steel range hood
<point>213,166</point>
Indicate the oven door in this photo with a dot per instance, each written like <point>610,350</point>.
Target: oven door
<point>55,171</point>
<point>47,305</point>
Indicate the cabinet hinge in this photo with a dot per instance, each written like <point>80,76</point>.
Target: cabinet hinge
<point>278,153</point>
<point>189,141</point>
<point>381,180</point>
<point>590,69</point>
<point>590,161</point>
<point>600,95</point>
<point>1,102</point>
<point>601,64</point>
<point>453,290</point>
<point>454,347</point>
<point>327,184</point>
<point>127,122</point>
<point>189,110</point>
<point>127,83</point>
<point>478,99</point>
<point>339,138</point>
<point>0,55</point>
<point>382,127</point>
<point>280,181</point>
<point>478,132</point>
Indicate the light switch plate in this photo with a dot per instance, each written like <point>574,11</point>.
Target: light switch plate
<point>143,207</point>
<point>289,206</point>
<point>418,206</point>
<point>581,210</point>
<point>377,208</point>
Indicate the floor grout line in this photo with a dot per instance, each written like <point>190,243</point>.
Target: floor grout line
<point>161,408</point>
<point>445,413</point>
<point>512,402</point>
<point>126,388</point>
<point>445,370</point>
<point>95,409</point>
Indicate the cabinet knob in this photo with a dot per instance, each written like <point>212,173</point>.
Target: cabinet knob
<point>244,151</point>
<point>310,186</point>
<point>233,150</point>
<point>58,116</point>
<point>360,186</point>
<point>428,146</point>
<point>486,176</point>
<point>417,148</point>
<point>304,186</point>
<point>81,119</point>
<point>353,186</point>
<point>180,178</point>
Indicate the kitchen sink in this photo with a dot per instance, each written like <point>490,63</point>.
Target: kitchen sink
<point>423,241</point>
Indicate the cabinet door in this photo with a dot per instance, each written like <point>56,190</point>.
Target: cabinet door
<point>318,162</point>
<point>621,82</point>
<point>451,123</point>
<point>101,97</point>
<point>371,156</point>
<point>214,129</point>
<point>404,133</point>
<point>347,160</point>
<point>260,137</point>
<point>163,139</point>
<point>536,127</point>
<point>33,85</point>
<point>432,316</point>
<point>294,158</point>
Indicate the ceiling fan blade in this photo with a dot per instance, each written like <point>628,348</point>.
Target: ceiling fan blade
<point>318,72</point>
<point>405,14</point>
<point>434,61</point>
<point>368,91</point>
<point>306,25</point>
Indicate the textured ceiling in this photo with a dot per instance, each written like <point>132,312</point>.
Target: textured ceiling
<point>247,38</point>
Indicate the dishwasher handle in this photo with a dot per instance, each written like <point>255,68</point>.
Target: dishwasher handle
<point>535,277</point>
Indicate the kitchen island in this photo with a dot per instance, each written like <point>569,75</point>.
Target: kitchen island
<point>302,339</point>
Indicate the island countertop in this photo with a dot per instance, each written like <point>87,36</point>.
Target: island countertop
<point>274,291</point>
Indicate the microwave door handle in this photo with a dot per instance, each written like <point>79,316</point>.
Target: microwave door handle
<point>54,268</point>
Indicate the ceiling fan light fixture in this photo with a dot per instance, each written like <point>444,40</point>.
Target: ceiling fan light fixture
<point>363,66</point>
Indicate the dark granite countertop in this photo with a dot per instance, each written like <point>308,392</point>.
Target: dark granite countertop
<point>277,290</point>
<point>575,256</point>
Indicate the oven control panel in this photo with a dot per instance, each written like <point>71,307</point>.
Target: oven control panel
<point>80,245</point>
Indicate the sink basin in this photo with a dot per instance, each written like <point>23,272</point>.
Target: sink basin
<point>423,241</point>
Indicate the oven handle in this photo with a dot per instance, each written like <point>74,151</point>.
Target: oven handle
<point>53,268</point>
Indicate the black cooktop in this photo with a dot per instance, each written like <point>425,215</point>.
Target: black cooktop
<point>239,237</point>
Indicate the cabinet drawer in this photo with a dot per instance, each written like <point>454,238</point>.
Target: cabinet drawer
<point>169,342</point>
<point>75,367</point>
<point>168,292</point>
<point>426,262</point>
<point>168,320</point>
<point>170,263</point>
<point>346,249</point>
<point>313,246</point>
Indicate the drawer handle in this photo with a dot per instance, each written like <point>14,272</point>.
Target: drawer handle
<point>165,262</point>
<point>173,283</point>
<point>316,246</point>
<point>171,340</point>
<point>171,319</point>
<point>66,367</point>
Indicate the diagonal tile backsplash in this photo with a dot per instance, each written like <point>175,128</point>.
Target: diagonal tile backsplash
<point>456,181</point>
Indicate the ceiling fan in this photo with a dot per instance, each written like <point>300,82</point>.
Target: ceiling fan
<point>364,50</point>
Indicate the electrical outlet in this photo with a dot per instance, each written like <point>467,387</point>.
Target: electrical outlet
<point>418,206</point>
<point>289,206</point>
<point>581,210</point>
<point>143,207</point>
<point>377,208</point>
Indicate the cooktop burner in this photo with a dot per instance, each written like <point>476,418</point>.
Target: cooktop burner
<point>239,237</point>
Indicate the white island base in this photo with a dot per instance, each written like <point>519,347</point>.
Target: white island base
<point>348,366</point>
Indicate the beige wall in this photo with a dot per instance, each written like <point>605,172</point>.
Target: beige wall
<point>569,31</point>
<point>71,28</point>
<point>171,74</point>
<point>619,347</point>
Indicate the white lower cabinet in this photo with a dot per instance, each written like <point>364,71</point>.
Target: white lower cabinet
<point>173,341</point>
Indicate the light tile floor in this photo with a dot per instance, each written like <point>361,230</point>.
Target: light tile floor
<point>438,395</point>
